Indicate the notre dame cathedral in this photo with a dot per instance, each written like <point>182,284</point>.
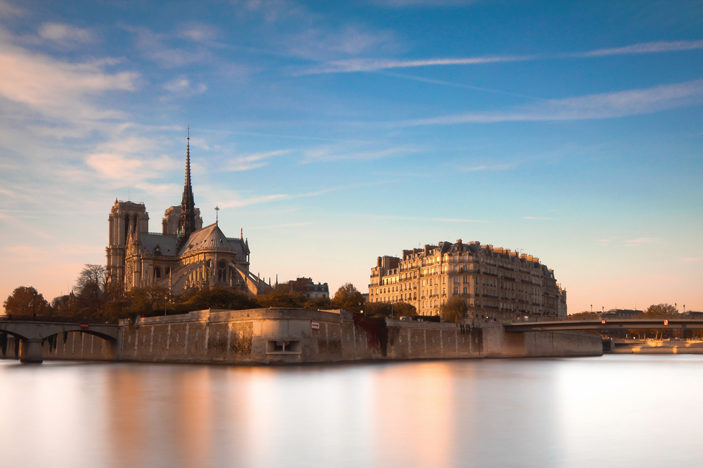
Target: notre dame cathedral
<point>185,255</point>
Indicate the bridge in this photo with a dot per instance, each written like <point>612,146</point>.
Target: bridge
<point>607,324</point>
<point>33,333</point>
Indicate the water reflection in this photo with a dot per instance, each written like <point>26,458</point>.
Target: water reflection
<point>615,410</point>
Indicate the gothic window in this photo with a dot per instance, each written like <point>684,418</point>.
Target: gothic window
<point>157,272</point>
<point>221,270</point>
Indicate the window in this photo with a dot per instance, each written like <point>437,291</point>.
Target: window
<point>281,346</point>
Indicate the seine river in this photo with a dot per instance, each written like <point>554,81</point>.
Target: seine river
<point>611,411</point>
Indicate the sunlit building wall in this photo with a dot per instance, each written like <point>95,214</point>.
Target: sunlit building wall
<point>494,282</point>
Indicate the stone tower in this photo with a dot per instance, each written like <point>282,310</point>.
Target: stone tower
<point>125,218</point>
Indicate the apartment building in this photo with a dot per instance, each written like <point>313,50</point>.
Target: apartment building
<point>495,283</point>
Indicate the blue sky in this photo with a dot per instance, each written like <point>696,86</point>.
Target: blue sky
<point>334,132</point>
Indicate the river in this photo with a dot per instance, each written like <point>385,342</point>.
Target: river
<point>615,410</point>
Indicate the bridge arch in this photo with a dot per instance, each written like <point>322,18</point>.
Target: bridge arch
<point>32,335</point>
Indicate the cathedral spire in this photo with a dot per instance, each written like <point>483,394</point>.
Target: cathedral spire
<point>187,183</point>
<point>186,222</point>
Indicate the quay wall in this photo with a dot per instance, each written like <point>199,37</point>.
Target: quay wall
<point>499,343</point>
<point>431,340</point>
<point>255,336</point>
<point>288,336</point>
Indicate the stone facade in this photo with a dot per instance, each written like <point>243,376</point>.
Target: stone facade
<point>495,283</point>
<point>183,256</point>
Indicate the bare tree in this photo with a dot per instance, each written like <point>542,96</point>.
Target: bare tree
<point>90,288</point>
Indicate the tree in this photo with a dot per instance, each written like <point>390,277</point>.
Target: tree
<point>281,299</point>
<point>348,297</point>
<point>318,303</point>
<point>454,310</point>
<point>219,298</point>
<point>27,302</point>
<point>90,289</point>
<point>64,306</point>
<point>383,309</point>
<point>585,315</point>
<point>660,310</point>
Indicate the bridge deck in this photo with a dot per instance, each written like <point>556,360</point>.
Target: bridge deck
<point>612,324</point>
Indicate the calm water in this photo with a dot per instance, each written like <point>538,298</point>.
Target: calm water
<point>610,411</point>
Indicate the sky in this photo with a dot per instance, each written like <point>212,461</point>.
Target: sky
<point>336,132</point>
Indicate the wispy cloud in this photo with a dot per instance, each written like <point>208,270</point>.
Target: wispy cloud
<point>56,88</point>
<point>271,11</point>
<point>453,84</point>
<point>537,218</point>
<point>293,30</point>
<point>694,259</point>
<point>488,167</point>
<point>113,166</point>
<point>421,3</point>
<point>26,228</point>
<point>66,35</point>
<point>429,219</point>
<point>7,10</point>
<point>157,48</point>
<point>336,153</point>
<point>183,86</point>
<point>322,43</point>
<point>645,48</point>
<point>124,162</point>
<point>241,202</point>
<point>592,106</point>
<point>376,64</point>
<point>283,225</point>
<point>253,161</point>
<point>198,32</point>
<point>238,201</point>
<point>638,241</point>
<point>367,65</point>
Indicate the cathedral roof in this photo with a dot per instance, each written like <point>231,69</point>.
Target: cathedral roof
<point>158,244</point>
<point>212,238</point>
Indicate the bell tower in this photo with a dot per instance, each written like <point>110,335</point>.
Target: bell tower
<point>125,218</point>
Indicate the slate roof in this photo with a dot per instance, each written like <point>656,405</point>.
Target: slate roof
<point>158,244</point>
<point>212,238</point>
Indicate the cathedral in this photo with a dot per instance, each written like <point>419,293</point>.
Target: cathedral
<point>185,255</point>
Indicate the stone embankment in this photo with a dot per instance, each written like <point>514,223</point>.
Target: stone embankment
<point>286,336</point>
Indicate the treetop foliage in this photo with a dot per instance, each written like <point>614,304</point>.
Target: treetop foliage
<point>26,302</point>
<point>348,297</point>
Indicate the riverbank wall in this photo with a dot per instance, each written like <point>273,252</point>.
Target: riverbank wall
<point>499,343</point>
<point>289,336</point>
